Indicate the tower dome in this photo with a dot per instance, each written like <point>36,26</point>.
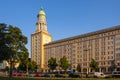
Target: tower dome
<point>41,24</point>
<point>41,12</point>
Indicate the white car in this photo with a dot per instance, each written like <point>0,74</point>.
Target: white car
<point>100,75</point>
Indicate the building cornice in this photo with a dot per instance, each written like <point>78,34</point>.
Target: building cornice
<point>44,32</point>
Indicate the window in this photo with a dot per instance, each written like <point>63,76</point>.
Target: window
<point>109,63</point>
<point>104,63</point>
<point>108,57</point>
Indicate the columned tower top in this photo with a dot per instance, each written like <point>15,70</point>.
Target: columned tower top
<point>41,23</point>
<point>41,12</point>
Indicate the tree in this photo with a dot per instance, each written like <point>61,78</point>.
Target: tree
<point>13,43</point>
<point>26,64</point>
<point>23,61</point>
<point>32,65</point>
<point>4,49</point>
<point>94,65</point>
<point>52,63</point>
<point>64,63</point>
<point>79,68</point>
<point>113,66</point>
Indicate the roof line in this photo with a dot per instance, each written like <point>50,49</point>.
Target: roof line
<point>87,34</point>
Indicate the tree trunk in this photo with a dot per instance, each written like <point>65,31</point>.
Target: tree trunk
<point>11,69</point>
<point>27,69</point>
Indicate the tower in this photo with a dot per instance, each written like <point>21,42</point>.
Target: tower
<point>41,24</point>
<point>38,39</point>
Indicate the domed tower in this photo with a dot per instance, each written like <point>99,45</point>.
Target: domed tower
<point>41,24</point>
<point>39,39</point>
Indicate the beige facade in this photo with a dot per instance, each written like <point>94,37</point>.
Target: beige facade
<point>102,45</point>
<point>38,39</point>
<point>3,65</point>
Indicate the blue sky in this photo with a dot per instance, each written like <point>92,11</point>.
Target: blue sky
<point>65,18</point>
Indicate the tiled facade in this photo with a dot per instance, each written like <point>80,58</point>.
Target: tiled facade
<point>102,45</point>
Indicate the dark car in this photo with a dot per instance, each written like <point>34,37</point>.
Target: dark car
<point>74,75</point>
<point>116,74</point>
<point>62,75</point>
<point>46,74</point>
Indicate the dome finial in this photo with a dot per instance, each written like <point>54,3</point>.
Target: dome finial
<point>41,8</point>
<point>41,12</point>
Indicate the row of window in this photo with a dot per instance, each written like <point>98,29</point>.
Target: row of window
<point>96,58</point>
<point>71,45</point>
<point>99,63</point>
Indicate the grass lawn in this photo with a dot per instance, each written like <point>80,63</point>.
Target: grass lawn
<point>19,78</point>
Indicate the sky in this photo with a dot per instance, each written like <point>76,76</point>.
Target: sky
<point>65,18</point>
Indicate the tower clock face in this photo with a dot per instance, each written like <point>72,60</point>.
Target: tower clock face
<point>46,39</point>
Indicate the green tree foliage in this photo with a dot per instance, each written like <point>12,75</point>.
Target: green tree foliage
<point>26,64</point>
<point>94,65</point>
<point>12,42</point>
<point>23,61</point>
<point>64,64</point>
<point>32,65</point>
<point>52,63</point>
<point>79,68</point>
<point>4,49</point>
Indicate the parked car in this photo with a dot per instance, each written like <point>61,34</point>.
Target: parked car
<point>64,75</point>
<point>37,75</point>
<point>21,74</point>
<point>116,74</point>
<point>14,74</point>
<point>47,74</point>
<point>100,75</point>
<point>75,75</point>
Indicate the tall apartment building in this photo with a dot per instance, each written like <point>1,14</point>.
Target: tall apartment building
<point>38,39</point>
<point>102,45</point>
